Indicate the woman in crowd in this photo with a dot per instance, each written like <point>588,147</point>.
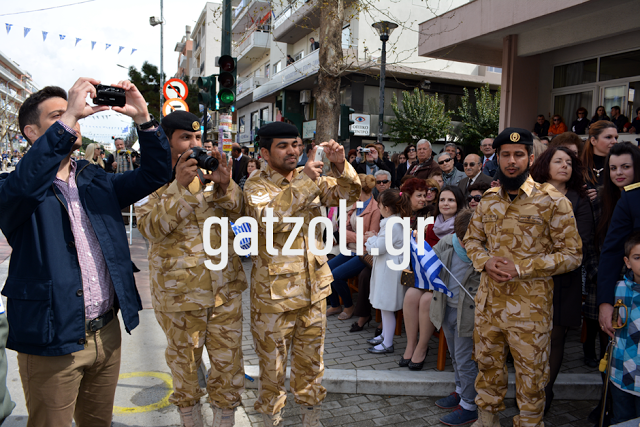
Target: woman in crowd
<point>416,304</point>
<point>344,267</point>
<point>561,167</point>
<point>436,176</point>
<point>352,155</point>
<point>581,124</point>
<point>557,126</point>
<point>570,140</point>
<point>92,154</point>
<point>599,115</point>
<point>602,136</point>
<point>475,194</point>
<point>417,190</point>
<point>386,291</point>
<point>450,201</point>
<point>410,155</point>
<point>538,147</point>
<point>252,166</point>
<point>459,158</point>
<point>432,197</point>
<point>635,124</point>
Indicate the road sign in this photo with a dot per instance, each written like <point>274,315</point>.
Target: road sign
<point>174,104</point>
<point>175,88</point>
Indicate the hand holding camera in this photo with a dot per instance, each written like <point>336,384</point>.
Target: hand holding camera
<point>135,105</point>
<point>77,107</point>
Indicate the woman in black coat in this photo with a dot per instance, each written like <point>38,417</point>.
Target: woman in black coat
<point>561,167</point>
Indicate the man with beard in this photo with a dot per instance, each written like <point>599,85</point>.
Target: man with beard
<point>289,287</point>
<point>521,234</point>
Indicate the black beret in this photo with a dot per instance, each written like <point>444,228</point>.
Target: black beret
<point>183,120</point>
<point>513,136</point>
<point>278,130</point>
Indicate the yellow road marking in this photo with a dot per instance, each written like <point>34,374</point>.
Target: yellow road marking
<point>166,378</point>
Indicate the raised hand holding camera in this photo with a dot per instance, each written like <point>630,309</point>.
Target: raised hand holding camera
<point>136,106</point>
<point>77,106</point>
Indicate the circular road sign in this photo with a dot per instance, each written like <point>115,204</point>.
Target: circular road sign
<point>175,88</point>
<point>174,104</point>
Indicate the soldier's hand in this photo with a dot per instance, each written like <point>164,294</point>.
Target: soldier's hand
<point>311,168</point>
<point>604,317</point>
<point>186,169</point>
<point>334,152</point>
<point>222,175</point>
<point>496,273</point>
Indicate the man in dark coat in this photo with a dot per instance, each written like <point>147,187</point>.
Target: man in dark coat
<point>240,162</point>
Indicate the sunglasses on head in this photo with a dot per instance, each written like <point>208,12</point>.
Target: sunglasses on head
<point>470,164</point>
<point>432,190</point>
<point>442,162</point>
<point>382,182</point>
<point>477,198</point>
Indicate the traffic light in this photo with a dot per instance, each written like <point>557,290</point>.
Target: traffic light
<point>228,81</point>
<point>207,94</point>
<point>345,122</point>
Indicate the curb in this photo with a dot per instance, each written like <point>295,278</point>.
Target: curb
<point>430,384</point>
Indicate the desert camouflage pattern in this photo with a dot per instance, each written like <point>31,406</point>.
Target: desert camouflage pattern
<point>281,283</point>
<point>172,219</point>
<point>302,332</point>
<point>220,330</point>
<point>538,232</point>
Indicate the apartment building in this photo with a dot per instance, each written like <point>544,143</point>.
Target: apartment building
<point>278,66</point>
<point>206,36</point>
<point>185,55</point>
<point>15,85</point>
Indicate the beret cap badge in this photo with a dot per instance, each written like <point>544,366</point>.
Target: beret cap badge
<point>515,137</point>
<point>195,125</point>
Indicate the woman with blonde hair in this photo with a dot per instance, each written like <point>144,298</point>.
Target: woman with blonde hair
<point>92,154</point>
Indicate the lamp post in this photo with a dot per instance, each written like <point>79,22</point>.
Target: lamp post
<point>153,21</point>
<point>384,29</point>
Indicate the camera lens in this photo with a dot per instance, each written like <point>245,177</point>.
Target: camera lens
<point>210,164</point>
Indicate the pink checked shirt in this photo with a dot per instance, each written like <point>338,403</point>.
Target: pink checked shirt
<point>96,282</point>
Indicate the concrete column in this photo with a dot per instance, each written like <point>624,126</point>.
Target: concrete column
<point>519,93</point>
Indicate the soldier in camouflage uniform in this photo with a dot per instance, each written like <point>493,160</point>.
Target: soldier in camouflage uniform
<point>521,234</point>
<point>195,306</point>
<point>288,292</point>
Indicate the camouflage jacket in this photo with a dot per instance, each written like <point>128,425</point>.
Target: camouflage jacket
<point>282,283</point>
<point>537,230</point>
<point>172,219</point>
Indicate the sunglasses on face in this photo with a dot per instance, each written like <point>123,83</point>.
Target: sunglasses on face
<point>382,182</point>
<point>412,149</point>
<point>556,120</point>
<point>477,198</point>
<point>470,164</point>
<point>432,190</point>
<point>442,162</point>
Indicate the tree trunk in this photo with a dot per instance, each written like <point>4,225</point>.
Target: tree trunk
<point>330,57</point>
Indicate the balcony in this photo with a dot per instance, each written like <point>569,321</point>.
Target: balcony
<point>10,76</point>
<point>247,86</point>
<point>248,14</point>
<point>194,72</point>
<point>299,70</point>
<point>253,46</point>
<point>12,93</point>
<point>298,20</point>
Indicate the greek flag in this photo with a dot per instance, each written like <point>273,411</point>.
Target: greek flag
<point>244,228</point>
<point>426,269</point>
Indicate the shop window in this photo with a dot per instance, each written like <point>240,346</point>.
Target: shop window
<point>575,74</point>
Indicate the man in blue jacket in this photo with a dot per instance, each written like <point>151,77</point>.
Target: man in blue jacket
<point>67,278</point>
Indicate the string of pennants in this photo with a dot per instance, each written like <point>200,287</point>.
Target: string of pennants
<point>62,37</point>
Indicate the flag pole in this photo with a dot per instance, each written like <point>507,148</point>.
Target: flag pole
<point>454,278</point>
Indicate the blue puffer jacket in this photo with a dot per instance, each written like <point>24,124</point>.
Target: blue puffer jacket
<point>45,303</point>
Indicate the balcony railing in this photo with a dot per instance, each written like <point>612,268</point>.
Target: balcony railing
<point>248,85</point>
<point>288,12</point>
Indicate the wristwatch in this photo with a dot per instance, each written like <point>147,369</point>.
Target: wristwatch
<point>148,125</point>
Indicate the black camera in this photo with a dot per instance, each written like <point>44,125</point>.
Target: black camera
<point>109,95</point>
<point>204,160</point>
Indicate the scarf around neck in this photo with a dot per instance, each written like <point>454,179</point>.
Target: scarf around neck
<point>460,251</point>
<point>442,227</point>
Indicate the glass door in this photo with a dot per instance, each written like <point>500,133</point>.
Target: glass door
<point>613,96</point>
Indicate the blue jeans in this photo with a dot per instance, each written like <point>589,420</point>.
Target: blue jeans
<point>626,406</point>
<point>343,268</point>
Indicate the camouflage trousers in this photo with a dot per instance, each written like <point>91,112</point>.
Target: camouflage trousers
<point>302,331</point>
<point>218,329</point>
<point>529,341</point>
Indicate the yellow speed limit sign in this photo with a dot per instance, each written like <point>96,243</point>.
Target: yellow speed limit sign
<point>174,104</point>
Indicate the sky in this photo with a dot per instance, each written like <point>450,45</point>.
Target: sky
<point>117,22</point>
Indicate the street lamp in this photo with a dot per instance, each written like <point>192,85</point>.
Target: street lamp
<point>153,21</point>
<point>384,29</point>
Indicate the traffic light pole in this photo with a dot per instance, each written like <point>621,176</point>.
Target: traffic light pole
<point>225,48</point>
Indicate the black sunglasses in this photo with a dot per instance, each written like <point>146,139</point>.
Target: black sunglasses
<point>477,198</point>
<point>382,182</point>
<point>470,164</point>
<point>432,189</point>
<point>442,162</point>
<point>411,149</point>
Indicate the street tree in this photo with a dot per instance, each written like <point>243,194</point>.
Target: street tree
<point>147,80</point>
<point>9,127</point>
<point>419,116</point>
<point>480,117</point>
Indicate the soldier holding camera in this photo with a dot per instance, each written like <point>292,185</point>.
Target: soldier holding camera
<point>195,305</point>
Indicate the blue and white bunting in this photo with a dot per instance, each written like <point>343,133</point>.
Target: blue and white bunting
<point>93,44</point>
<point>133,50</point>
<point>62,36</point>
<point>26,31</point>
<point>426,269</point>
<point>120,49</point>
<point>44,35</point>
<point>108,45</point>
<point>77,41</point>
<point>8,26</point>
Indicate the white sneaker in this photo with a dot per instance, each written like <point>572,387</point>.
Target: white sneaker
<point>310,415</point>
<point>273,420</point>
<point>191,416</point>
<point>223,417</point>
